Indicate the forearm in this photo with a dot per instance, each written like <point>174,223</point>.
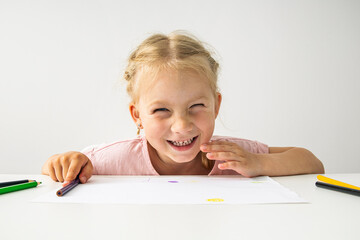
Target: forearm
<point>290,162</point>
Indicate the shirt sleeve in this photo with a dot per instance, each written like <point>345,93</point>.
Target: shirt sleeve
<point>90,153</point>
<point>124,157</point>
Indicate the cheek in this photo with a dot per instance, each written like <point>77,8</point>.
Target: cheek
<point>154,126</point>
<point>205,119</point>
<point>206,124</point>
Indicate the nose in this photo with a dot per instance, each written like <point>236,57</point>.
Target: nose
<point>181,124</point>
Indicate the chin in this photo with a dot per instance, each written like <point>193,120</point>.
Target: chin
<point>178,159</point>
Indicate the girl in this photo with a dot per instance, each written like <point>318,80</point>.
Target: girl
<point>172,82</point>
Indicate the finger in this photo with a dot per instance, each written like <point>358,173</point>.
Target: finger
<point>218,146</point>
<point>65,169</point>
<point>58,172</point>
<point>224,156</point>
<point>220,142</point>
<point>234,165</point>
<point>239,168</point>
<point>86,172</point>
<point>74,169</point>
<point>45,168</point>
<point>52,173</point>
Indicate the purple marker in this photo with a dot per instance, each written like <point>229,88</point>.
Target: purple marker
<point>68,187</point>
<point>173,181</point>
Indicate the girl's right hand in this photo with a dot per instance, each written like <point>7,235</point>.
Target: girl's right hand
<point>67,166</point>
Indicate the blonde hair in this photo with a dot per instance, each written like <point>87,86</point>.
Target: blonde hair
<point>179,51</point>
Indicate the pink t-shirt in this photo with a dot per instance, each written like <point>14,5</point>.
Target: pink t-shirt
<point>131,157</point>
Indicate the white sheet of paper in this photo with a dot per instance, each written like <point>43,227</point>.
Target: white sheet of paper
<point>176,190</point>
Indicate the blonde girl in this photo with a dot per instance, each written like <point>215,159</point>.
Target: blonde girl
<point>172,82</point>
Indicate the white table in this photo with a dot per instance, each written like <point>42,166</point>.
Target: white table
<point>329,215</point>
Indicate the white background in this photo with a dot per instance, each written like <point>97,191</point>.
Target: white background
<point>290,73</point>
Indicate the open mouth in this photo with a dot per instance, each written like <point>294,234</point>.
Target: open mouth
<point>182,144</point>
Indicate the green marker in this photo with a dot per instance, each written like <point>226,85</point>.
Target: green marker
<point>18,187</point>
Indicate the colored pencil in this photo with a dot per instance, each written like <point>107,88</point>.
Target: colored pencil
<point>338,188</point>
<point>336,182</point>
<point>18,187</point>
<point>68,187</point>
<point>5,184</point>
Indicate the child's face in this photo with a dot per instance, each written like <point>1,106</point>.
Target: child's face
<point>177,111</point>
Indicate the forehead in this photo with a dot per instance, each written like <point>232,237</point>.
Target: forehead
<point>172,83</point>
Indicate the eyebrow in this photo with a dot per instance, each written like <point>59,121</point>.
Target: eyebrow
<point>160,102</point>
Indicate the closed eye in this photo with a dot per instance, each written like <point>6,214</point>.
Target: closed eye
<point>198,105</point>
<point>160,110</point>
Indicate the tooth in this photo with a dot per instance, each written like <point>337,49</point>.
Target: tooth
<point>183,143</point>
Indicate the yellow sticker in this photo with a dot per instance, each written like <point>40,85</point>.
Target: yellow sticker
<point>215,200</point>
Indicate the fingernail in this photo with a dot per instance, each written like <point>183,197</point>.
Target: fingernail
<point>83,179</point>
<point>65,183</point>
<point>221,165</point>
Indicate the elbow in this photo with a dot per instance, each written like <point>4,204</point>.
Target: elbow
<point>319,167</point>
<point>316,166</point>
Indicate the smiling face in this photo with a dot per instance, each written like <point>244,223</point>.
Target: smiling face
<point>177,110</point>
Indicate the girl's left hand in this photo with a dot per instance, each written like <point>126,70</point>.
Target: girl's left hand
<point>236,158</point>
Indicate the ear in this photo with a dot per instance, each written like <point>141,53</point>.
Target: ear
<point>217,103</point>
<point>135,114</point>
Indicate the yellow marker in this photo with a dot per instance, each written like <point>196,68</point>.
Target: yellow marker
<point>215,200</point>
<point>336,182</point>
